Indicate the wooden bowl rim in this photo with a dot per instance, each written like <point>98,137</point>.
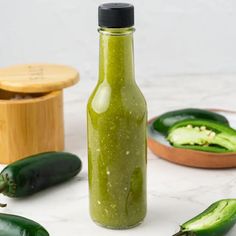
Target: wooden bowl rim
<point>215,157</point>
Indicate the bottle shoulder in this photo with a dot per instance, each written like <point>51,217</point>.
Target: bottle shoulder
<point>106,98</point>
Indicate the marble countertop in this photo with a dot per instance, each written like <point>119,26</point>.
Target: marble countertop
<point>175,193</point>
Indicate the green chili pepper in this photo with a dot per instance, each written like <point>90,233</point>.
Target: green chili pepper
<point>216,220</point>
<point>35,173</point>
<point>203,135</point>
<point>13,225</point>
<point>168,119</point>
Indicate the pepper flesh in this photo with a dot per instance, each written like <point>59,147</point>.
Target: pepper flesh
<point>203,135</point>
<point>216,220</point>
<point>163,122</point>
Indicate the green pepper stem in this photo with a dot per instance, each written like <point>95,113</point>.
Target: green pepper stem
<point>3,184</point>
<point>180,233</point>
<point>187,233</point>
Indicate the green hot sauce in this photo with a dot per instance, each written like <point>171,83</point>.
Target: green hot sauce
<point>117,116</point>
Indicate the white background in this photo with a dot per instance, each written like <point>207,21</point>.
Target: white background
<point>172,37</point>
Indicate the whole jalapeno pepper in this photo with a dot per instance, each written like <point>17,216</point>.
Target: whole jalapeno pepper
<point>38,172</point>
<point>216,220</point>
<point>163,123</point>
<point>203,135</point>
<point>13,225</point>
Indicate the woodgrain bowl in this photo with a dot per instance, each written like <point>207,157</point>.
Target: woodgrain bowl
<point>160,147</point>
<point>30,126</point>
<point>31,109</point>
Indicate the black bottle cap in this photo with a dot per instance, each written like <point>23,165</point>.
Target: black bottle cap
<point>116,15</point>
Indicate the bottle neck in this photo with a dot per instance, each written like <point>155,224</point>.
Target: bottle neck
<point>116,63</point>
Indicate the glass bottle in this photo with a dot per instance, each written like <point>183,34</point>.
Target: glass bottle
<point>116,123</point>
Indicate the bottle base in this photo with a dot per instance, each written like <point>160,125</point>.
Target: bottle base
<point>118,227</point>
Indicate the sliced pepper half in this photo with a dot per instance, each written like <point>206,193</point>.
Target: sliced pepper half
<point>203,135</point>
<point>216,220</point>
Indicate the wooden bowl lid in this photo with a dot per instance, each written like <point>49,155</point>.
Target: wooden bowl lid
<point>160,147</point>
<point>35,78</point>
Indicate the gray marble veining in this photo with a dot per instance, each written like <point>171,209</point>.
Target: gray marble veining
<point>175,193</point>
